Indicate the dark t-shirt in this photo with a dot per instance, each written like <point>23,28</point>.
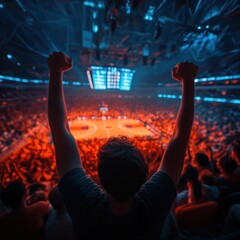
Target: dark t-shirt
<point>92,217</point>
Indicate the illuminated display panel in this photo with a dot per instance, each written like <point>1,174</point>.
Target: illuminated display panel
<point>110,78</point>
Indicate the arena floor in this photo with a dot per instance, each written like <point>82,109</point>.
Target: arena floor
<point>105,128</point>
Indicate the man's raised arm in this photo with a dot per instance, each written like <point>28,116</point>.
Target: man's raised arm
<point>66,149</point>
<point>173,158</point>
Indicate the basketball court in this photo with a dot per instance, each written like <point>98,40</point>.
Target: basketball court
<point>105,128</point>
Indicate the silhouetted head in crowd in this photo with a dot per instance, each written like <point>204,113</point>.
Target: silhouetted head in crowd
<point>201,160</point>
<point>228,165</point>
<point>14,194</point>
<point>122,168</point>
<point>36,187</point>
<point>191,175</point>
<point>236,152</point>
<point>55,198</point>
<point>36,196</point>
<point>207,177</point>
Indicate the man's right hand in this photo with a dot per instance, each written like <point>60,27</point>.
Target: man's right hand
<point>58,61</point>
<point>185,71</point>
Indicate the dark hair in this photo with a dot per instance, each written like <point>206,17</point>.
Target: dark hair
<point>202,160</point>
<point>36,196</point>
<point>36,187</point>
<point>228,165</point>
<point>12,195</point>
<point>236,150</point>
<point>191,174</point>
<point>207,177</point>
<point>122,168</point>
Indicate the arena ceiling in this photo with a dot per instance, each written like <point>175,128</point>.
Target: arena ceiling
<point>149,36</point>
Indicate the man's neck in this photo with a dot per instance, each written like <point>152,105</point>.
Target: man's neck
<point>119,208</point>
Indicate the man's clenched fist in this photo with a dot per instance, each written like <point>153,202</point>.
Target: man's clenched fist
<point>58,61</point>
<point>185,71</point>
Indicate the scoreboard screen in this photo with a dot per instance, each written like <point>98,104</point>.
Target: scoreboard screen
<point>110,78</point>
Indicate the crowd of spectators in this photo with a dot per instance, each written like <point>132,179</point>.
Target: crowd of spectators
<point>211,172</point>
<point>21,112</point>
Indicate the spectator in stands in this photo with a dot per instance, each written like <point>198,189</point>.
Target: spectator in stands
<point>36,186</point>
<point>129,207</point>
<point>232,221</point>
<point>37,196</point>
<point>22,222</point>
<point>58,224</point>
<point>200,187</point>
<point>201,162</point>
<point>236,156</point>
<point>193,194</point>
<point>236,152</point>
<point>209,188</point>
<point>36,192</point>
<point>228,175</point>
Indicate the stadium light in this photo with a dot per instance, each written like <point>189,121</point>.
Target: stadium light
<point>217,78</point>
<point>9,56</point>
<point>205,99</point>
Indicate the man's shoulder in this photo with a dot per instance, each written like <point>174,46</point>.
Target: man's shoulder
<point>162,179</point>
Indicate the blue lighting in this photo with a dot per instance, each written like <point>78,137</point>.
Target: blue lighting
<point>1,5</point>
<point>37,81</point>
<point>100,5</point>
<point>199,27</point>
<point>149,14</point>
<point>76,83</point>
<point>9,56</point>
<point>21,5</point>
<point>210,99</point>
<point>211,14</point>
<point>94,14</point>
<point>166,96</point>
<point>145,50</point>
<point>25,80</point>
<point>205,99</point>
<point>197,98</point>
<point>207,26</point>
<point>128,7</point>
<point>95,28</point>
<point>115,78</point>
<point>218,78</point>
<point>93,5</point>
<point>89,4</point>
<point>235,101</point>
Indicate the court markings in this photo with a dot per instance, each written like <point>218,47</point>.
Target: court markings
<point>90,131</point>
<point>105,128</point>
<point>120,125</point>
<point>107,132</point>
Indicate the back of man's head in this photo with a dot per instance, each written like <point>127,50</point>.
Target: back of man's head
<point>228,165</point>
<point>122,168</point>
<point>13,194</point>
<point>202,160</point>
